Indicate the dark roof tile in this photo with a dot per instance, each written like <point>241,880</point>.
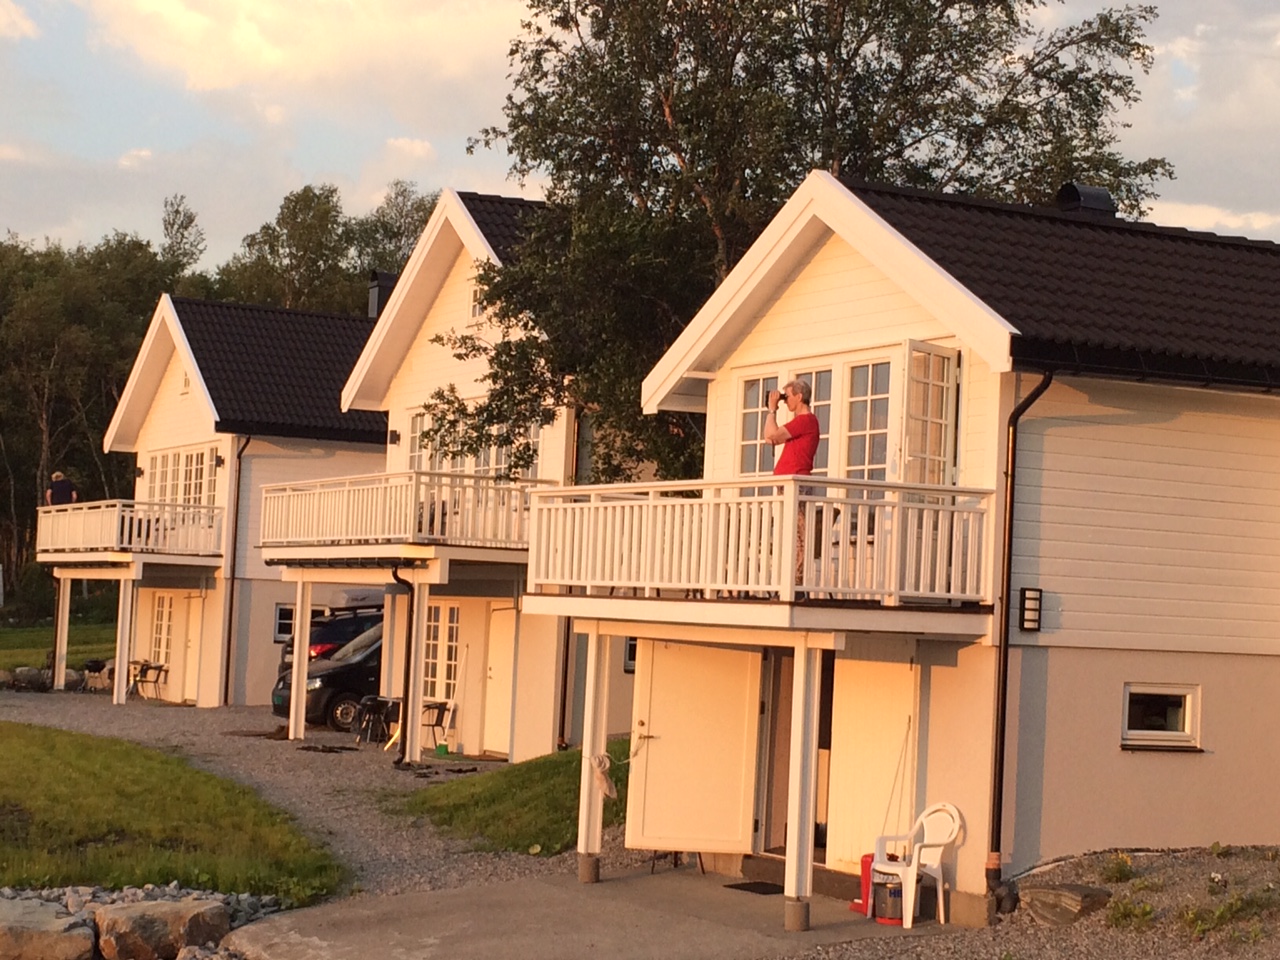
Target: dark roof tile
<point>1135,292</point>
<point>279,372</point>
<point>499,219</point>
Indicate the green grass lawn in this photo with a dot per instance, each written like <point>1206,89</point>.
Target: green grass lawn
<point>28,646</point>
<point>525,805</point>
<point>82,810</point>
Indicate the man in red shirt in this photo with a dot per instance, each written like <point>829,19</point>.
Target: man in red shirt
<point>799,438</point>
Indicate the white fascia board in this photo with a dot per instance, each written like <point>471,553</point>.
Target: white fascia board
<point>366,387</point>
<point>820,205</point>
<point>164,337</point>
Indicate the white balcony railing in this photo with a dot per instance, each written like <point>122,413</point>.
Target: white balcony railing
<point>835,539</point>
<point>414,507</point>
<point>130,526</point>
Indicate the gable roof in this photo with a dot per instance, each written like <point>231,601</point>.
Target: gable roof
<point>486,227</point>
<point>1026,287</point>
<point>1104,295</point>
<point>260,370</point>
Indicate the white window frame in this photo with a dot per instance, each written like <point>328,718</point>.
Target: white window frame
<point>284,621</point>
<point>162,629</point>
<point>186,475</point>
<point>760,415</point>
<point>842,401</point>
<point>1184,739</point>
<point>943,421</point>
<point>440,653</point>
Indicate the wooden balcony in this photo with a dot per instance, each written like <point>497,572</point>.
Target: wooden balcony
<point>798,538</point>
<point>118,529</point>
<point>419,507</point>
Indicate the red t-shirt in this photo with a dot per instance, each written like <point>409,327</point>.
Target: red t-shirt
<point>798,452</point>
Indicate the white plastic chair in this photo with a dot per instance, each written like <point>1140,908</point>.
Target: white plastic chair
<point>937,829</point>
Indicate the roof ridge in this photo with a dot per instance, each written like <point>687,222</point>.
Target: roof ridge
<point>263,307</point>
<point>1032,211</point>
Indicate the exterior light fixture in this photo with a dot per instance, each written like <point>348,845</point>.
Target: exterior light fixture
<point>393,437</point>
<point>139,472</point>
<point>1030,603</point>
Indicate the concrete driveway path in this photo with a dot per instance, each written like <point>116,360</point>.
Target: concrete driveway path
<point>672,915</point>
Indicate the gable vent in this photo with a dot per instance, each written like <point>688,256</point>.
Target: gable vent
<point>1087,201</point>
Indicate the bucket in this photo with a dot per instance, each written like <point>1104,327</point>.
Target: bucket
<point>442,749</point>
<point>888,901</point>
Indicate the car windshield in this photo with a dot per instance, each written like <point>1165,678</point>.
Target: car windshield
<point>360,644</point>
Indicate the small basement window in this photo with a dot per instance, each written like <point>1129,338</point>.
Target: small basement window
<point>1161,716</point>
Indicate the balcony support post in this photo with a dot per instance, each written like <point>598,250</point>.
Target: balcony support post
<point>411,722</point>
<point>801,788</point>
<point>301,657</point>
<point>595,722</point>
<point>60,629</point>
<point>789,554</point>
<point>124,638</point>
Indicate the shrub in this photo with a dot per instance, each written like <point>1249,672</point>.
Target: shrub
<point>1127,912</point>
<point>1118,869</point>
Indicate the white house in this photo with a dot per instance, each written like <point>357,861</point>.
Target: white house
<point>1088,674</point>
<point>447,538</point>
<point>222,398</point>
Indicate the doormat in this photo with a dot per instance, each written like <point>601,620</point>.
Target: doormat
<point>763,887</point>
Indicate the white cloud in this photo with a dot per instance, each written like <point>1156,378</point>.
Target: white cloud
<point>418,149</point>
<point>284,45</point>
<point>133,159</point>
<point>1203,216</point>
<point>14,22</point>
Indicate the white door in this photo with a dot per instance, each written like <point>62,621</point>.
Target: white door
<point>694,731</point>
<point>191,649</point>
<point>497,685</point>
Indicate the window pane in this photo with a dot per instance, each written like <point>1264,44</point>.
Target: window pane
<point>766,458</point>
<point>748,462</point>
<point>1158,711</point>
<point>823,413</point>
<point>770,384</point>
<point>858,416</point>
<point>751,394</point>
<point>936,393</point>
<point>749,431</point>
<point>822,386</point>
<point>880,414</point>
<point>859,381</point>
<point>939,368</point>
<point>920,365</point>
<point>820,457</point>
<point>880,378</point>
<point>880,449</point>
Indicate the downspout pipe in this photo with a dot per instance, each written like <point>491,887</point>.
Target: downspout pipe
<point>229,639</point>
<point>408,667</point>
<point>996,824</point>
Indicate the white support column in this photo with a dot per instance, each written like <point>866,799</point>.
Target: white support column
<point>301,657</point>
<point>61,623</point>
<point>124,639</point>
<point>411,722</point>
<point>801,788</point>
<point>595,724</point>
<point>515,674</point>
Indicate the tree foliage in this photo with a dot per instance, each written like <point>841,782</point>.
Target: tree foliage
<point>313,256</point>
<point>670,131</point>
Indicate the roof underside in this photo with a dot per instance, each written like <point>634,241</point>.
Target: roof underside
<point>279,372</point>
<point>1105,295</point>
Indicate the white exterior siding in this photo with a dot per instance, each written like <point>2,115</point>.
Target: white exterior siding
<point>1150,517</point>
<point>176,418</point>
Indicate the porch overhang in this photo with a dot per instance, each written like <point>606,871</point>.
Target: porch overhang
<point>703,619</point>
<point>386,555</point>
<point>116,564</point>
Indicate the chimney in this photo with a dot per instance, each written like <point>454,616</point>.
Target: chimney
<point>380,286</point>
<point>1086,201</point>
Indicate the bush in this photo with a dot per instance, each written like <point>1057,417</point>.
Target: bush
<point>36,596</point>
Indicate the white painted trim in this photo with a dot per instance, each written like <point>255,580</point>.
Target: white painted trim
<point>821,205</point>
<point>146,374</point>
<point>359,393</point>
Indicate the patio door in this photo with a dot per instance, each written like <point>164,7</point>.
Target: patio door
<point>694,732</point>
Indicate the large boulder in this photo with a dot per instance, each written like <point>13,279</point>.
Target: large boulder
<point>36,930</point>
<point>158,929</point>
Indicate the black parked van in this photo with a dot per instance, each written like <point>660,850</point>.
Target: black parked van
<point>336,686</point>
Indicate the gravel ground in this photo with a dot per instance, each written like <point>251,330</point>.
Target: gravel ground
<point>335,797</point>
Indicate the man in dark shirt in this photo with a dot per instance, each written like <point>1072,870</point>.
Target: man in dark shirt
<point>60,490</point>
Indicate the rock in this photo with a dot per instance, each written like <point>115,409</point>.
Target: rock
<point>6,678</point>
<point>33,930</point>
<point>29,678</point>
<point>1059,904</point>
<point>158,930</point>
<point>71,679</point>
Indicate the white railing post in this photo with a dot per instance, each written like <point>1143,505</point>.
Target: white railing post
<point>786,563</point>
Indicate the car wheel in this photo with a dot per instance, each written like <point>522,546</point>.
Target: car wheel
<point>341,714</point>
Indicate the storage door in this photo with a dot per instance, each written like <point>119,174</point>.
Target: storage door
<point>694,730</point>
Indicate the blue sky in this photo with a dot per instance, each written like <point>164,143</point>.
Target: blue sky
<point>109,106</point>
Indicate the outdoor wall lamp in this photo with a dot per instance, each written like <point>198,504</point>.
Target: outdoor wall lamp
<point>139,472</point>
<point>1029,605</point>
<point>218,461</point>
<point>393,437</point>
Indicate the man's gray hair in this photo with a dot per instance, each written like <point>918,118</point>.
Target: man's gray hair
<point>801,387</point>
